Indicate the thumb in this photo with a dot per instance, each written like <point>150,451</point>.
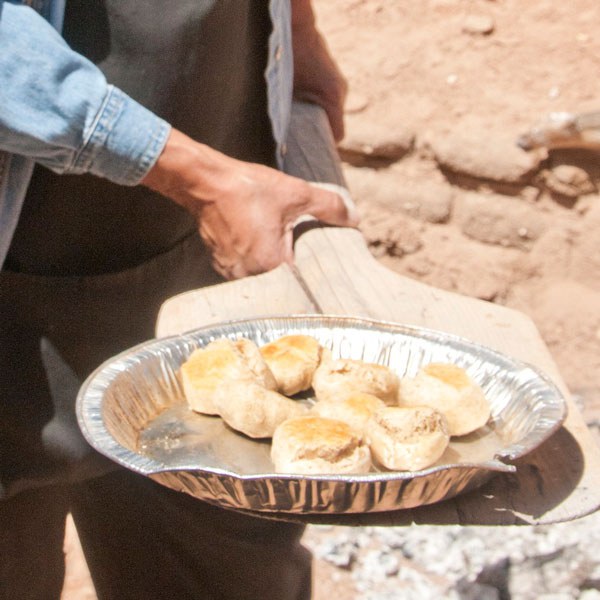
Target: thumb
<point>335,208</point>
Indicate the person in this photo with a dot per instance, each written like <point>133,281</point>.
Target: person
<point>140,156</point>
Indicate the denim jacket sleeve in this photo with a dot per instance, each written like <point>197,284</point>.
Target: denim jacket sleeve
<point>57,108</point>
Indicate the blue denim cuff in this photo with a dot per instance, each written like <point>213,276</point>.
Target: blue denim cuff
<point>123,142</point>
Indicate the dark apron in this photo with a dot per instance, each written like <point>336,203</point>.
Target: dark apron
<point>90,264</point>
<point>141,539</point>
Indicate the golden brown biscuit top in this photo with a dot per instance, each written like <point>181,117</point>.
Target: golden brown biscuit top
<point>450,374</point>
<point>320,437</point>
<point>368,370</point>
<point>206,362</point>
<point>409,422</point>
<point>302,343</point>
<point>362,403</point>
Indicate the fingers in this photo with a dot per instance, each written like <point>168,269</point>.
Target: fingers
<point>332,204</point>
<point>267,254</point>
<point>251,231</point>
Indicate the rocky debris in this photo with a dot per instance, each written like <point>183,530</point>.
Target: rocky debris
<point>341,553</point>
<point>426,201</point>
<point>389,233</point>
<point>475,149</point>
<point>458,563</point>
<point>423,199</point>
<point>497,219</point>
<point>373,139</point>
<point>568,180</point>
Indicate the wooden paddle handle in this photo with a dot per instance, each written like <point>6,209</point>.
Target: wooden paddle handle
<point>311,153</point>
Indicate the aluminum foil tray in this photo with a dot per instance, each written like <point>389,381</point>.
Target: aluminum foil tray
<point>132,409</point>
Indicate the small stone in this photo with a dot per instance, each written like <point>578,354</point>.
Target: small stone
<point>341,554</point>
<point>568,180</point>
<point>375,139</point>
<point>426,201</point>
<point>478,25</point>
<point>554,92</point>
<point>380,564</point>
<point>473,148</point>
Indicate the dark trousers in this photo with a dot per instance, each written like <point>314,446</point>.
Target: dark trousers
<point>141,540</point>
<point>144,541</point>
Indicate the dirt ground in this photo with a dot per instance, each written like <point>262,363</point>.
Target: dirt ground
<point>440,90</point>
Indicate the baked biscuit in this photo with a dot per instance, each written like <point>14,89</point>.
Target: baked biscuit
<point>407,439</point>
<point>312,445</point>
<point>337,378</point>
<point>292,360</point>
<point>251,354</point>
<point>221,360</point>
<point>252,409</point>
<point>355,409</point>
<point>449,389</point>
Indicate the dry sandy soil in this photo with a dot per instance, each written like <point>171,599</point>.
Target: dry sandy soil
<point>440,90</point>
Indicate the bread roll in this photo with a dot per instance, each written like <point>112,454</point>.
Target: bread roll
<point>252,409</point>
<point>312,445</point>
<point>449,389</point>
<point>407,439</point>
<point>221,360</point>
<point>254,359</point>
<point>338,378</point>
<point>355,409</point>
<point>292,360</point>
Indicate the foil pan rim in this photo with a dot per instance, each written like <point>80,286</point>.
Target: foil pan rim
<point>91,421</point>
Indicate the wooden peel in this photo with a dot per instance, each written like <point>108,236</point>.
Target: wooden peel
<point>335,274</point>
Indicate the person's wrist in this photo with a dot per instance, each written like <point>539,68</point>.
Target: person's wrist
<point>188,172</point>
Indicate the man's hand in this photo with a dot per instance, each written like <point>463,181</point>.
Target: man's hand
<point>245,211</point>
<point>317,77</point>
